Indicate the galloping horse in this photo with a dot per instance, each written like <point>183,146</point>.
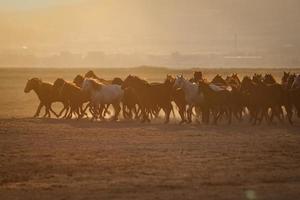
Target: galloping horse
<point>45,93</point>
<point>193,96</point>
<point>101,94</point>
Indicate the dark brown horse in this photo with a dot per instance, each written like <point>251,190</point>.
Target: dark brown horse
<point>150,96</point>
<point>218,102</point>
<point>73,95</point>
<point>45,93</point>
<point>218,80</point>
<point>262,97</point>
<point>178,97</point>
<point>197,77</point>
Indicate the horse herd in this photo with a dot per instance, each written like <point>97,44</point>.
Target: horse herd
<point>257,98</point>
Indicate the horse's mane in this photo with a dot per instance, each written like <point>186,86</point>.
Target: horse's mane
<point>95,82</point>
<point>143,81</point>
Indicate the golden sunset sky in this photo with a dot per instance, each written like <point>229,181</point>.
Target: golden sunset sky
<point>147,26</point>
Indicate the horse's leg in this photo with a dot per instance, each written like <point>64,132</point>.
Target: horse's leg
<point>38,110</point>
<point>56,115</point>
<point>69,116</point>
<point>63,109</point>
<point>117,109</point>
<point>279,113</point>
<point>215,113</point>
<point>254,115</point>
<point>229,115</point>
<point>181,111</point>
<point>189,113</point>
<point>289,112</point>
<point>167,111</point>
<point>47,113</point>
<point>66,111</point>
<point>143,114</point>
<point>100,110</point>
<point>106,111</point>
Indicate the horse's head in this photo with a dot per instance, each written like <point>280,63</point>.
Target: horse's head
<point>117,81</point>
<point>246,84</point>
<point>32,84</point>
<point>134,82</point>
<point>197,76</point>
<point>58,83</point>
<point>219,80</point>
<point>128,81</point>
<point>78,80</point>
<point>269,79</point>
<point>257,78</point>
<point>90,74</point>
<point>170,79</point>
<point>285,77</point>
<point>179,82</point>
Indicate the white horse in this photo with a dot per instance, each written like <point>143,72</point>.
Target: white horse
<point>193,96</point>
<point>101,94</point>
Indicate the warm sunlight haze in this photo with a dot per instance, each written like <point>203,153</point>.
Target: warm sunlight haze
<point>150,99</point>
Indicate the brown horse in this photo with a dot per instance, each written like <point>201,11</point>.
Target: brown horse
<point>218,80</point>
<point>45,93</point>
<point>262,97</point>
<point>197,77</point>
<point>218,102</point>
<point>178,97</point>
<point>269,79</point>
<point>72,96</point>
<point>237,97</point>
<point>150,96</point>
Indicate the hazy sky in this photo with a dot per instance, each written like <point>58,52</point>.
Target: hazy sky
<point>148,26</point>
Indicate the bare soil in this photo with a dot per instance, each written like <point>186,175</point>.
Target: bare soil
<point>70,159</point>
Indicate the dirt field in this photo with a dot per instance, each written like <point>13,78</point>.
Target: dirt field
<point>70,159</point>
<point>67,159</point>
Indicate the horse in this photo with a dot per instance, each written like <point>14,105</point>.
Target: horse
<point>269,79</point>
<point>287,79</point>
<point>197,77</point>
<point>261,97</point>
<point>218,80</point>
<point>178,97</point>
<point>78,80</point>
<point>150,96</point>
<point>238,106</point>
<point>91,74</point>
<point>257,78</point>
<point>130,104</point>
<point>101,94</point>
<point>73,97</point>
<point>45,93</point>
<point>193,96</point>
<point>233,81</point>
<point>296,83</point>
<point>117,81</point>
<point>219,101</point>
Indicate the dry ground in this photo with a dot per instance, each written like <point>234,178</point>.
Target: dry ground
<point>69,159</point>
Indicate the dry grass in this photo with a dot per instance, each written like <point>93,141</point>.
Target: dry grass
<point>70,159</point>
